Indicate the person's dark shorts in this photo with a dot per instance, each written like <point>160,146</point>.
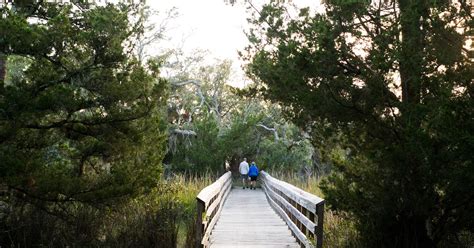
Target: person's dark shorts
<point>253,178</point>
<point>243,176</point>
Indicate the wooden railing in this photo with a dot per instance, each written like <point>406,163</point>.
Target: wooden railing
<point>303,212</point>
<point>209,206</point>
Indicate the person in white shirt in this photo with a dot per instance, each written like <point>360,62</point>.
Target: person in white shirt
<point>244,171</point>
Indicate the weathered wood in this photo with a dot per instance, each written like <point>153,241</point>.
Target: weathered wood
<point>210,191</point>
<point>200,206</point>
<point>305,229</point>
<point>226,219</point>
<point>292,210</point>
<point>247,220</point>
<point>215,218</point>
<point>302,211</point>
<point>212,207</point>
<point>312,217</point>
<point>319,229</point>
<point>294,229</point>
<point>247,245</point>
<point>305,199</point>
<point>209,203</point>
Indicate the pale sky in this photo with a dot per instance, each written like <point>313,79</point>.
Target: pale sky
<point>212,25</point>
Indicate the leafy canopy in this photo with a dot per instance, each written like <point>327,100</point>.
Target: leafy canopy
<point>80,118</point>
<point>391,83</point>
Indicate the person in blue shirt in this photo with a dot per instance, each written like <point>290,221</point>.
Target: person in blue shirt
<point>253,174</point>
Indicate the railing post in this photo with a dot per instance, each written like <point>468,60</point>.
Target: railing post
<point>200,206</point>
<point>319,231</point>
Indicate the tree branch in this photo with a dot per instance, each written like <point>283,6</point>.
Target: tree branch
<point>275,133</point>
<point>183,132</point>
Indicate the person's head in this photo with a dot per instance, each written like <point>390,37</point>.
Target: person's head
<point>245,159</point>
<point>253,163</point>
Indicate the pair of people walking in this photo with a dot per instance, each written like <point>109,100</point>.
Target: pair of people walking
<point>247,172</point>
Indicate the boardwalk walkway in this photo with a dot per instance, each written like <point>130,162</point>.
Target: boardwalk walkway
<point>278,215</point>
<point>248,220</point>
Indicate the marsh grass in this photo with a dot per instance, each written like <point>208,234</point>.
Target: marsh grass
<point>190,187</point>
<point>164,217</point>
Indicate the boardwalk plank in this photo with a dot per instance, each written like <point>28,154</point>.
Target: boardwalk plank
<point>238,245</point>
<point>247,220</point>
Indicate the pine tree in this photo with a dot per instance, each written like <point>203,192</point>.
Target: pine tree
<point>392,83</point>
<point>83,123</point>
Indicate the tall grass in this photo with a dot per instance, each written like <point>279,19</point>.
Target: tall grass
<point>190,187</point>
<point>151,220</point>
<point>164,217</point>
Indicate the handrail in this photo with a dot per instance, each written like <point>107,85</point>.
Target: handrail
<point>303,212</point>
<point>209,206</point>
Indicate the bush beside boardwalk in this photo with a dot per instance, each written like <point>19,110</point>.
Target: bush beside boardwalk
<point>162,218</point>
<point>340,228</point>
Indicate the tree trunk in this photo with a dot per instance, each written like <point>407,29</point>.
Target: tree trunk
<point>3,71</point>
<point>415,235</point>
<point>411,61</point>
<point>413,231</point>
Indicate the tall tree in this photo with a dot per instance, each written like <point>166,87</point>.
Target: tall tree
<point>83,123</point>
<point>199,110</point>
<point>3,69</point>
<point>394,79</point>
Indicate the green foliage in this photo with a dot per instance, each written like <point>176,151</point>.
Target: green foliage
<point>280,155</point>
<point>237,137</point>
<point>190,187</point>
<point>28,226</point>
<point>81,120</point>
<point>201,153</point>
<point>227,123</point>
<point>241,138</point>
<point>378,83</point>
<point>150,220</point>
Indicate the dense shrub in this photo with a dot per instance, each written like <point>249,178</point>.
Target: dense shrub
<point>151,220</point>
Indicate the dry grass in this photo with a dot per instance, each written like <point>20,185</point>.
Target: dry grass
<point>190,187</point>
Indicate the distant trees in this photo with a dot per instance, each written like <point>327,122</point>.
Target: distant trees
<point>390,83</point>
<point>82,121</point>
<point>212,123</point>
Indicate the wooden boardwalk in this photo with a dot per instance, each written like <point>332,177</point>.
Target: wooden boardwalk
<point>278,215</point>
<point>248,220</point>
